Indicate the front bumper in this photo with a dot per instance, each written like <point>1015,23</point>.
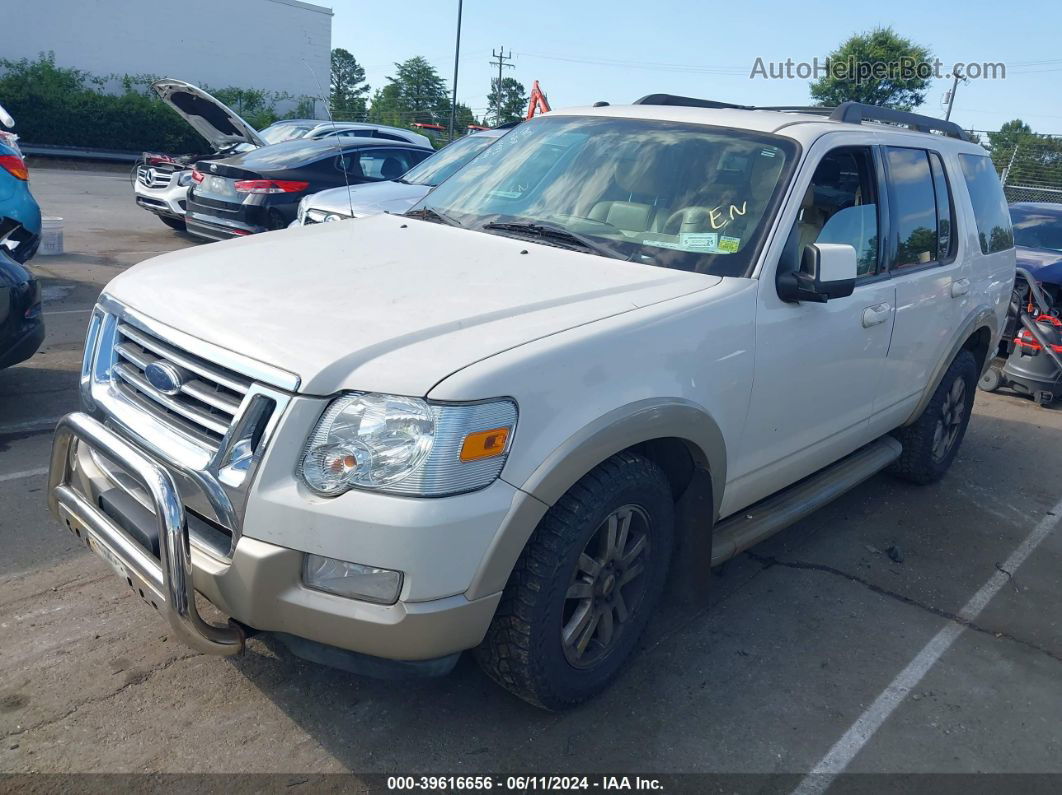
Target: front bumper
<point>259,585</point>
<point>170,201</point>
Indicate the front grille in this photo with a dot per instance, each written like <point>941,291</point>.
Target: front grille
<point>209,396</point>
<point>153,178</point>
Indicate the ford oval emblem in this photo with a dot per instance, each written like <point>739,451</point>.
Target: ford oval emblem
<point>165,377</point>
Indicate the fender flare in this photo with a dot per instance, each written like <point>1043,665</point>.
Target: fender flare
<point>619,429</point>
<point>981,317</point>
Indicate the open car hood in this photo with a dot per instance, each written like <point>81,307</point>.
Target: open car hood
<point>212,119</point>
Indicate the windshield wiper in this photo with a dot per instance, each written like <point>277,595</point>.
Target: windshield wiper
<point>433,215</point>
<point>555,235</point>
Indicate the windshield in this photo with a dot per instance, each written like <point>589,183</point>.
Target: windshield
<point>684,196</point>
<point>1036,228</point>
<point>447,160</point>
<point>275,133</point>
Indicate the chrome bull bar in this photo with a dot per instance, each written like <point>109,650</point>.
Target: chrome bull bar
<point>165,583</point>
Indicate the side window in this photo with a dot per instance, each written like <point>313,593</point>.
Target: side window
<point>916,207</point>
<point>989,204</point>
<point>840,205</point>
<point>381,164</point>
<point>945,213</point>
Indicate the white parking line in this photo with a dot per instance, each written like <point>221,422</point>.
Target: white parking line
<point>48,312</point>
<point>29,473</point>
<point>860,733</point>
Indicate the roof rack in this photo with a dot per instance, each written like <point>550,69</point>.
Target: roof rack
<point>849,112</point>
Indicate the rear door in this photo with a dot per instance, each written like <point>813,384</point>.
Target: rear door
<point>926,262</point>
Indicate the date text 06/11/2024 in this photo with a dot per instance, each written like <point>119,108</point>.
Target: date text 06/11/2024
<point>522,783</point>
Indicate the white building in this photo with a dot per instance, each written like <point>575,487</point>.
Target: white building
<point>273,45</point>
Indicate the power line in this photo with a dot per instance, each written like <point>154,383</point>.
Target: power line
<point>500,63</point>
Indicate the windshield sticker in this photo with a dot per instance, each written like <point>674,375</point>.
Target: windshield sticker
<point>767,153</point>
<point>699,241</point>
<point>729,245</point>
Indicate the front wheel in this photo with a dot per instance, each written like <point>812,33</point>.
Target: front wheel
<point>584,587</point>
<point>932,441</point>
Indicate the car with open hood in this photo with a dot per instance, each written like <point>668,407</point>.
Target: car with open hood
<point>260,190</point>
<point>161,181</point>
<point>396,195</point>
<point>618,348</point>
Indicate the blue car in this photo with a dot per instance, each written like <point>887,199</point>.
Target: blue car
<point>20,215</point>
<point>1038,245</point>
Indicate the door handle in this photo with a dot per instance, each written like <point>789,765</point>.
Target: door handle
<point>873,315</point>
<point>960,287</point>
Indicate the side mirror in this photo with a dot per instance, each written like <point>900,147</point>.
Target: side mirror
<point>827,270</point>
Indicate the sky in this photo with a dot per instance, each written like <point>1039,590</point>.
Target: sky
<point>582,51</point>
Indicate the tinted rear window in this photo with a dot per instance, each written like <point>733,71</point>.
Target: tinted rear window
<point>989,204</point>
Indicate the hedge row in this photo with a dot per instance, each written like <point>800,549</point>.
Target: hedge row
<point>69,107</point>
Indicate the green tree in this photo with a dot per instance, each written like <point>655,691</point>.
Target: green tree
<point>387,107</point>
<point>879,68</point>
<point>1002,144</point>
<point>349,90</point>
<point>463,118</point>
<point>512,102</point>
<point>419,92</point>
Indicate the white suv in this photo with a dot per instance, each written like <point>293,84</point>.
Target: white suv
<point>596,359</point>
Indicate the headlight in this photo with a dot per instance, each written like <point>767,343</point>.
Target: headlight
<point>403,445</point>
<point>184,179</point>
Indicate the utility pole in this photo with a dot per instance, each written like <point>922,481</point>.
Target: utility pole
<point>457,58</point>
<point>951,94</point>
<point>500,63</point>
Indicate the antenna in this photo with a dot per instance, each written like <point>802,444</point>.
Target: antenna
<point>339,149</point>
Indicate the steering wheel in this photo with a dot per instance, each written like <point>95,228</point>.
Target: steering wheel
<point>685,215</point>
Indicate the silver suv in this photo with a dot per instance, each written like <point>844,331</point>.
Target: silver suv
<point>619,347</point>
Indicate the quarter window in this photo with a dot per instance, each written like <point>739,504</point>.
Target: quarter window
<point>989,204</point>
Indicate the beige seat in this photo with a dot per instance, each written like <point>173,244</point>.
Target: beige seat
<point>811,219</point>
<point>643,180</point>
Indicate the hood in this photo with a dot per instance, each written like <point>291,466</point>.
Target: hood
<point>215,121</point>
<point>385,303</point>
<point>1044,264</point>
<point>370,199</point>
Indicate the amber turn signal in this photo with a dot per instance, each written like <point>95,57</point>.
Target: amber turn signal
<point>484,444</point>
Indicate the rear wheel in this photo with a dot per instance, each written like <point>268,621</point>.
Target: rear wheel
<point>173,223</point>
<point>932,441</point>
<point>585,586</point>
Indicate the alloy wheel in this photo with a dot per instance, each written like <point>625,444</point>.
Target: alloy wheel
<point>949,422</point>
<point>607,586</point>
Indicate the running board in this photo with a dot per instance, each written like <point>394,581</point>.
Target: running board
<point>762,520</point>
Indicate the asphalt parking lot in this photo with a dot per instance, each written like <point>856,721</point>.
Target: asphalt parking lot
<point>901,629</point>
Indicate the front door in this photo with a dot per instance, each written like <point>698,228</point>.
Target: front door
<point>818,366</point>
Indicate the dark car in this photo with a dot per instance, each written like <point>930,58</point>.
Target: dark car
<point>1038,245</point>
<point>21,319</point>
<point>260,190</point>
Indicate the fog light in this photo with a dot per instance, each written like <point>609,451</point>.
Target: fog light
<point>352,580</point>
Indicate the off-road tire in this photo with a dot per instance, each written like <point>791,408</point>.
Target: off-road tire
<point>918,463</point>
<point>523,650</point>
<point>173,223</point>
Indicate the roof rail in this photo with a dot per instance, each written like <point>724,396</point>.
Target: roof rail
<point>857,112</point>
<point>850,112</point>
<point>690,102</point>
